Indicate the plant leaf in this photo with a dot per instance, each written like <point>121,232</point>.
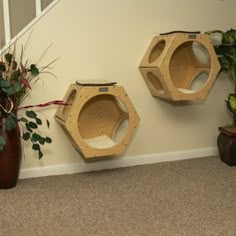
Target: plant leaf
<point>232,33</point>
<point>33,125</point>
<point>34,70</point>
<point>26,136</point>
<point>232,101</point>
<point>10,123</point>
<point>23,81</point>
<point>8,58</point>
<point>23,119</point>
<point>31,114</point>
<point>48,123</point>
<point>28,127</point>
<point>5,83</point>
<point>15,75</point>
<point>36,147</point>
<point>13,89</point>
<point>38,121</point>
<point>48,140</point>
<point>35,137</point>
<point>40,154</point>
<point>42,140</point>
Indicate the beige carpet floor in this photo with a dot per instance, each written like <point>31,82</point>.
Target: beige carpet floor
<point>191,197</point>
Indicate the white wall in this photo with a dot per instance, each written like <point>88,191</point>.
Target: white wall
<point>107,39</point>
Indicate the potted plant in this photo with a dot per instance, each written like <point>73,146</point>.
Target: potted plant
<point>16,80</point>
<point>224,43</point>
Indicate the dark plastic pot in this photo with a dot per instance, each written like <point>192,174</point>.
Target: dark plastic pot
<point>226,143</point>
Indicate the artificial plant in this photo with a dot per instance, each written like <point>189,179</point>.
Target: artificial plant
<point>16,80</point>
<point>224,43</point>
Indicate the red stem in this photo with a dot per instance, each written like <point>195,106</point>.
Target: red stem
<point>55,102</point>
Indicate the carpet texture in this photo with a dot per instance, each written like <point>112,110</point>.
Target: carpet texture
<point>191,197</point>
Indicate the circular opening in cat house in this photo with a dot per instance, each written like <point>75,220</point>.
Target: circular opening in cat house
<point>69,102</point>
<point>155,82</point>
<point>156,51</point>
<point>201,54</point>
<point>103,121</point>
<point>188,60</point>
<point>199,81</point>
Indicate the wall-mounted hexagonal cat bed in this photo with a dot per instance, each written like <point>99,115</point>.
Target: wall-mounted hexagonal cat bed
<point>180,66</point>
<point>99,118</point>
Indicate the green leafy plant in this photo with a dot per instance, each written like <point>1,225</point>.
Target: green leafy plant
<point>224,43</point>
<point>16,80</point>
<point>31,123</point>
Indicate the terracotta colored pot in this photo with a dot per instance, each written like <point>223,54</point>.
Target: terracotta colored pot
<point>10,157</point>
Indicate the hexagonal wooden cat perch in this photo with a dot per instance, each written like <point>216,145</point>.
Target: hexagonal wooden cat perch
<point>174,64</point>
<point>94,113</point>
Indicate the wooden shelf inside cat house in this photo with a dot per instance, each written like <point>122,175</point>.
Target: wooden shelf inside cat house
<point>99,118</point>
<point>180,66</point>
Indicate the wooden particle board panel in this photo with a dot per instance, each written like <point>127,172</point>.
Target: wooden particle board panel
<point>171,65</point>
<point>92,116</point>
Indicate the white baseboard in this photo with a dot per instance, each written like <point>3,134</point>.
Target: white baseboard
<point>116,163</point>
